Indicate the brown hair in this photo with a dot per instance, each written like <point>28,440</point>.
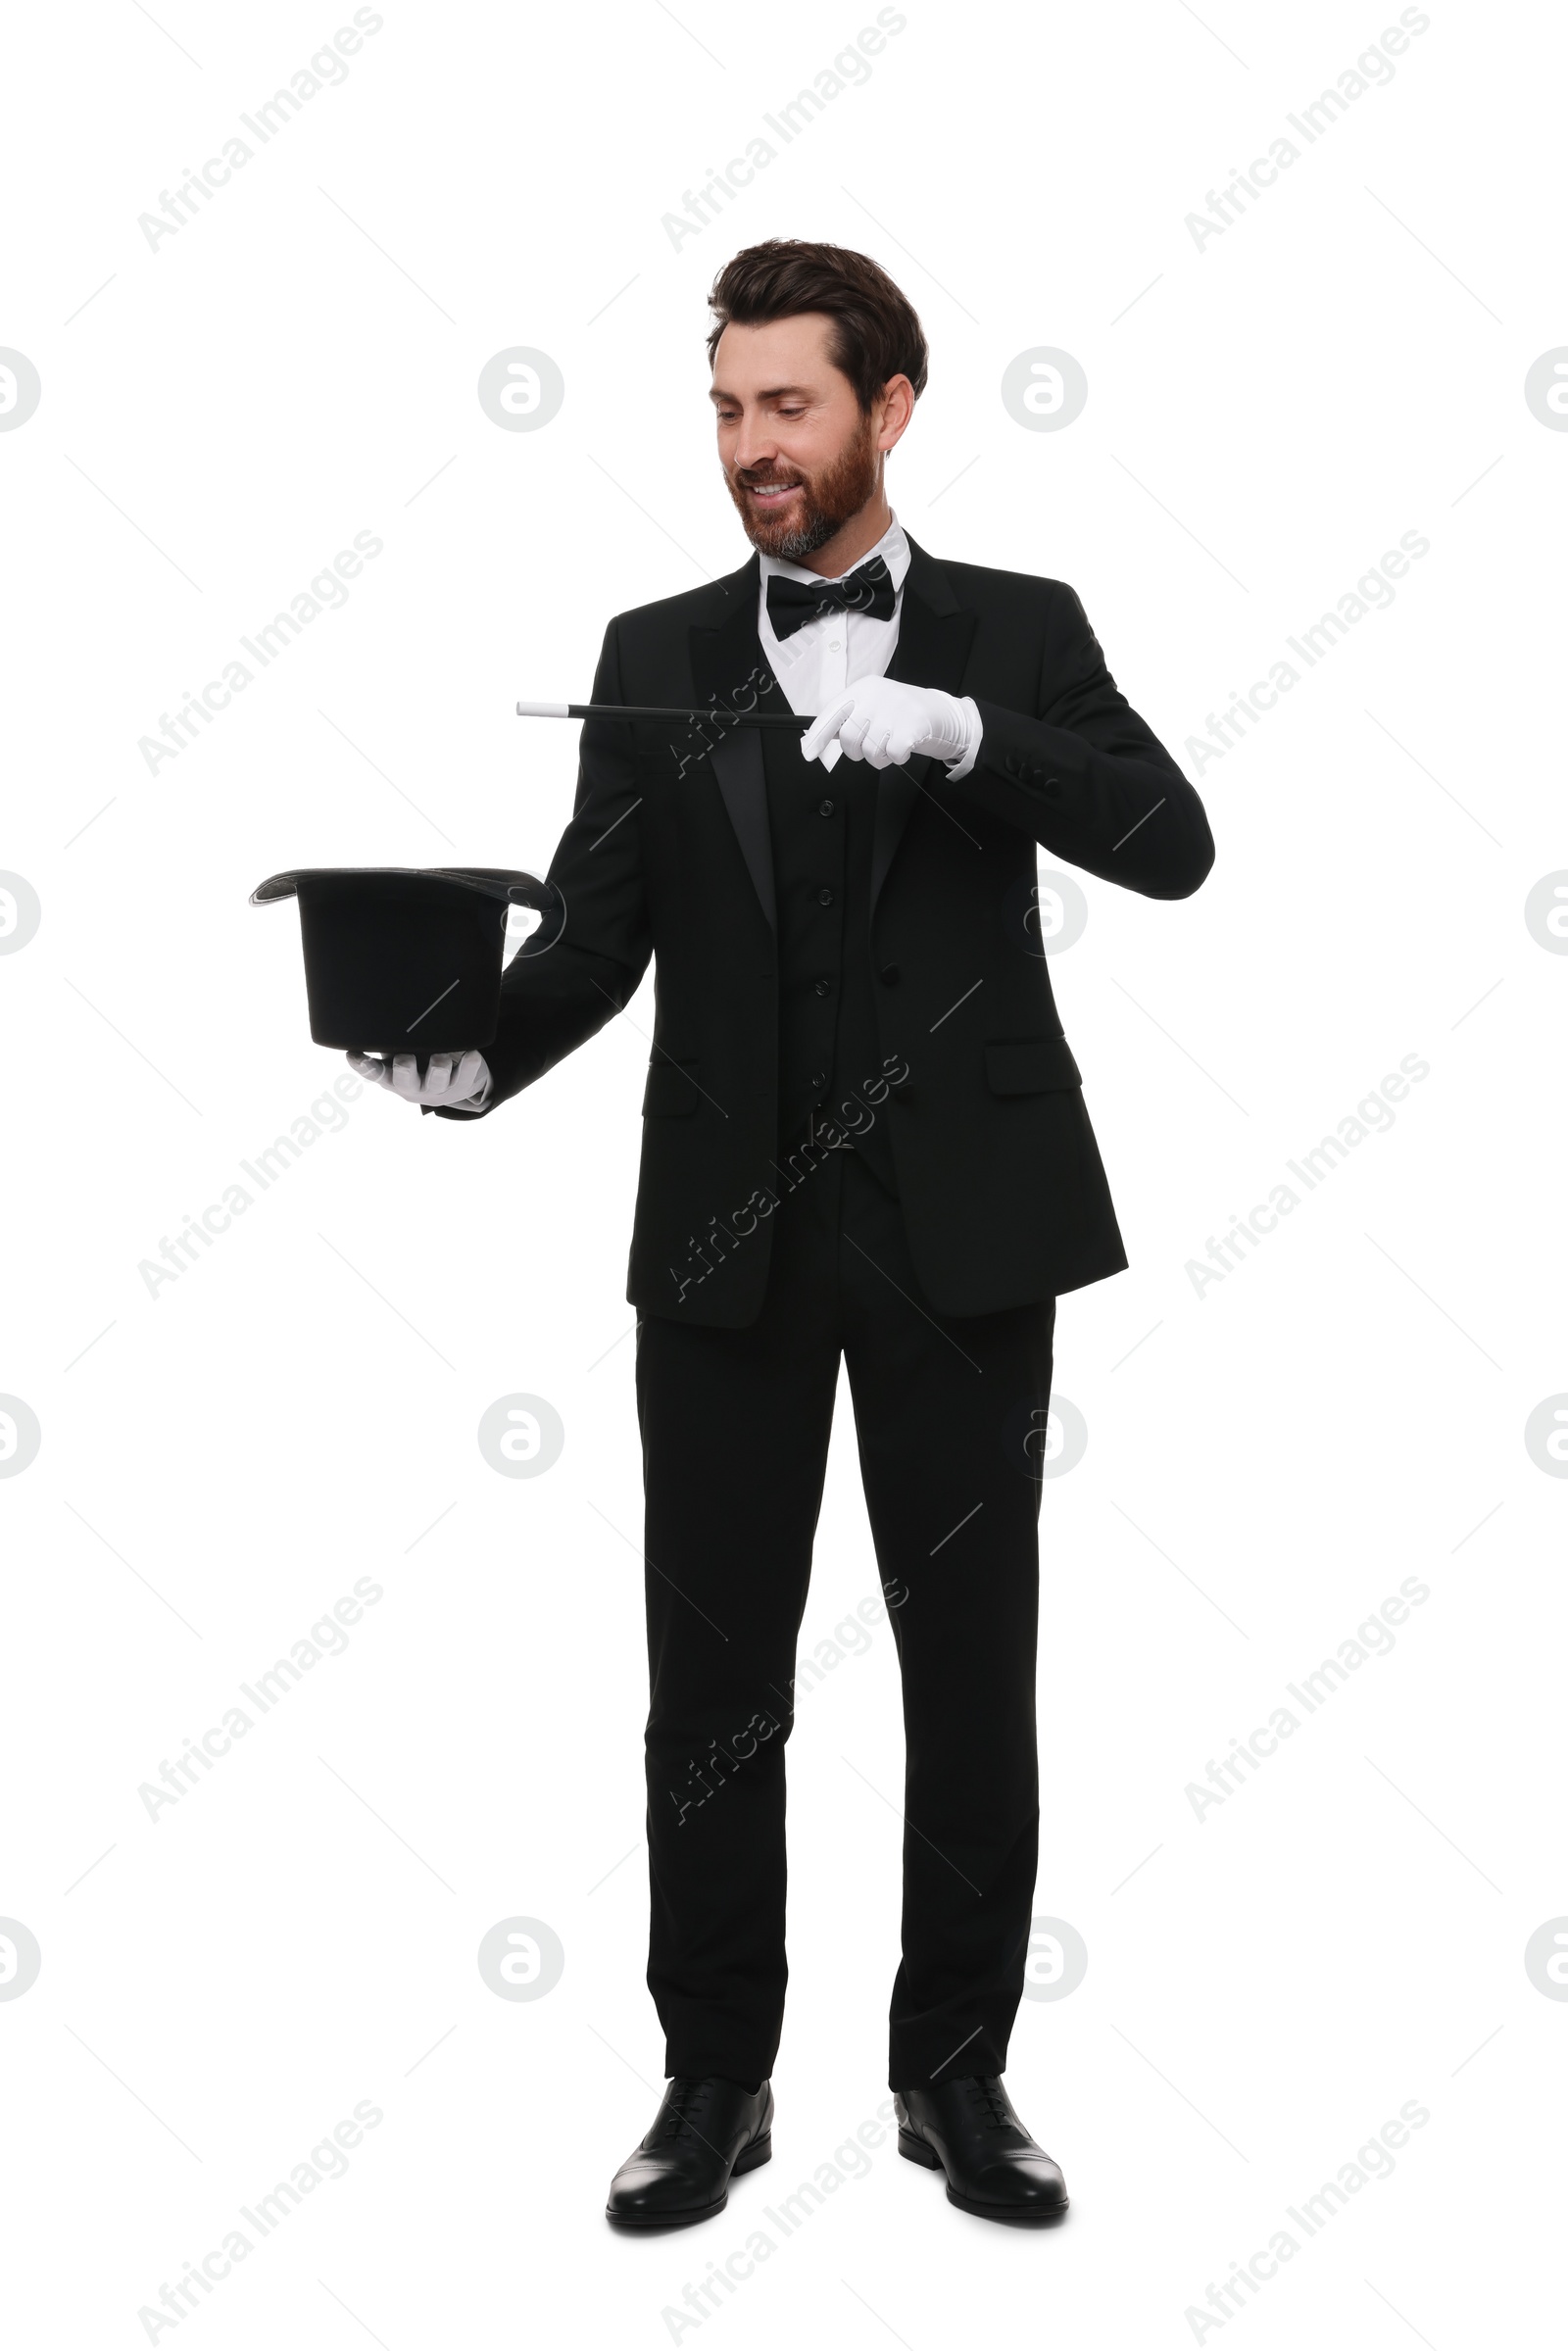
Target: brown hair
<point>875,332</point>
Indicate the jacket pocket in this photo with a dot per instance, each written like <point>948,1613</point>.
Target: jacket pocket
<point>1030,1065</point>
<point>671,1088</point>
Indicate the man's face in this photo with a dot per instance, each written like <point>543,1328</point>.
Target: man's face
<point>800,458</point>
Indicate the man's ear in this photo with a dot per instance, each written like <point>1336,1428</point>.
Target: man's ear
<point>898,407</point>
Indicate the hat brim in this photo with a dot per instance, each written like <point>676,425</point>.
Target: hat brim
<point>491,881</point>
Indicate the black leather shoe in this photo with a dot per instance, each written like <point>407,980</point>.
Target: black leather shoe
<point>704,2133</point>
<point>968,2129</point>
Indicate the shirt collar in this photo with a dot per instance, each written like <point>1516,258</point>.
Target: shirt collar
<point>892,546</point>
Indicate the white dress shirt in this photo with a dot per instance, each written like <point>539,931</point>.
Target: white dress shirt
<point>819,660</point>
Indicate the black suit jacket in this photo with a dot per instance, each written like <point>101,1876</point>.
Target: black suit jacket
<point>667,856</point>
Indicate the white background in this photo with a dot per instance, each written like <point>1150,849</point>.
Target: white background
<point>220,1460</point>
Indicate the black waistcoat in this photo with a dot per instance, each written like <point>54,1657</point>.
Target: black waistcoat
<point>821,821</point>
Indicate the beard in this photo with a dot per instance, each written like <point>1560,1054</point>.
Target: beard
<point>829,498</point>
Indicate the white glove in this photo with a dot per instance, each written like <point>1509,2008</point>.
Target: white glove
<point>883,723</point>
<point>452,1081</point>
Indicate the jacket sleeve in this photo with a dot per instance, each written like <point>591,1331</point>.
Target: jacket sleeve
<point>1084,774</point>
<point>555,1001</point>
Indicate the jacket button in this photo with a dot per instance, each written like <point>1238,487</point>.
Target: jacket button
<point>824,897</point>
<point>890,975</point>
<point>824,807</point>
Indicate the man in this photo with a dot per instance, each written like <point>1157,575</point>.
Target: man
<point>863,1135</point>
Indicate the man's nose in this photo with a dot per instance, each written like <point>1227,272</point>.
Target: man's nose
<point>755,446</point>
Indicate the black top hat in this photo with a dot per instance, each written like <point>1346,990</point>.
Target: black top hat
<point>400,960</point>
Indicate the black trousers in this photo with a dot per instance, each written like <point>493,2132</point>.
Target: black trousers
<point>735,1424</point>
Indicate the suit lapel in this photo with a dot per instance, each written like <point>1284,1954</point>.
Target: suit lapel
<point>728,668</point>
<point>935,633</point>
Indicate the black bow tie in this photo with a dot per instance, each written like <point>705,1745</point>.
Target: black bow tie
<point>791,603</point>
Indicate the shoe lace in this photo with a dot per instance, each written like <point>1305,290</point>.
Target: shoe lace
<point>686,2099</point>
<point>987,2093</point>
